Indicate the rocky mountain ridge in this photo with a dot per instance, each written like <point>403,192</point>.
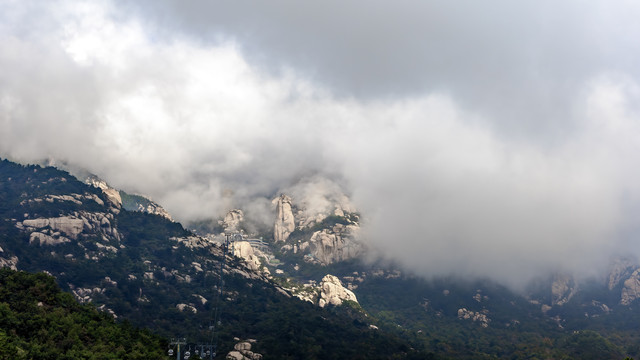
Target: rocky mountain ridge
<point>150,270</point>
<point>142,266</point>
<point>330,237</point>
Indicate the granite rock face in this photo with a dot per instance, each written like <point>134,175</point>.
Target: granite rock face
<point>562,289</point>
<point>333,293</point>
<point>244,250</point>
<point>620,269</point>
<point>631,288</point>
<point>285,221</point>
<point>155,209</point>
<point>474,316</point>
<point>328,246</point>
<point>44,239</point>
<point>232,220</point>
<point>330,223</point>
<point>242,351</point>
<point>113,195</point>
<point>53,231</point>
<point>11,262</point>
<point>69,225</point>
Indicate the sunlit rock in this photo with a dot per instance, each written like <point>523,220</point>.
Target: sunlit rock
<point>332,292</point>
<point>285,222</point>
<point>71,226</point>
<point>480,317</point>
<point>113,195</point>
<point>244,250</point>
<point>242,351</point>
<point>332,245</point>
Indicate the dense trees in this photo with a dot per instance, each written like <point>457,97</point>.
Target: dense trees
<point>39,321</point>
<point>151,273</point>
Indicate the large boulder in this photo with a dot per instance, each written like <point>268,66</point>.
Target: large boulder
<point>244,250</point>
<point>332,292</point>
<point>242,351</point>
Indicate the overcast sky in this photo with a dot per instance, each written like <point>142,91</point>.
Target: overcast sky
<point>493,138</point>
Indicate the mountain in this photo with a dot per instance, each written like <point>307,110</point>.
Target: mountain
<point>154,273</point>
<point>316,237</point>
<point>295,288</point>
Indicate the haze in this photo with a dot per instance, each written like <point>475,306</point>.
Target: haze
<point>494,139</point>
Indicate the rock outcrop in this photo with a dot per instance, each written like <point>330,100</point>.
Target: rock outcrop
<point>155,209</point>
<point>232,220</point>
<point>481,317</point>
<point>242,351</point>
<point>327,220</point>
<point>44,239</point>
<point>333,293</point>
<point>620,269</point>
<point>562,289</point>
<point>77,199</point>
<point>332,245</point>
<point>186,307</point>
<point>11,263</point>
<point>113,195</point>
<point>53,231</point>
<point>69,225</point>
<point>631,288</point>
<point>85,295</point>
<point>285,222</point>
<point>244,250</point>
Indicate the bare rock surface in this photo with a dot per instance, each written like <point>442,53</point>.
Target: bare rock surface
<point>244,250</point>
<point>332,292</point>
<point>232,220</point>
<point>11,263</point>
<point>285,221</point>
<point>621,268</point>
<point>562,289</point>
<point>631,289</point>
<point>44,239</point>
<point>69,225</point>
<point>113,195</point>
<point>474,316</point>
<point>328,246</point>
<point>242,351</point>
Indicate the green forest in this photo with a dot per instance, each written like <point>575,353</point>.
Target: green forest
<point>40,321</point>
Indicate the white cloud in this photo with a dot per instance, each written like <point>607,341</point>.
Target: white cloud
<point>441,184</point>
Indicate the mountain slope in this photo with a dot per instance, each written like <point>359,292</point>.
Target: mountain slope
<point>152,271</point>
<point>39,321</point>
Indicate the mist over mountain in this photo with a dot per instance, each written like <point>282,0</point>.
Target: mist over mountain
<point>493,140</point>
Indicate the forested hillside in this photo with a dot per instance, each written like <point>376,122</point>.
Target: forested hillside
<point>148,270</point>
<point>39,321</point>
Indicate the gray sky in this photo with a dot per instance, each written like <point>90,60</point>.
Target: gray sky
<point>493,138</point>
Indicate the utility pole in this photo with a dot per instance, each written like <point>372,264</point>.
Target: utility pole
<point>178,342</point>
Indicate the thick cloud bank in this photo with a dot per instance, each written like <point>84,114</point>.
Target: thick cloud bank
<point>499,144</point>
